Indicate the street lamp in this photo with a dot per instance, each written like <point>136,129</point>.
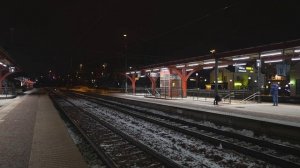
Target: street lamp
<point>213,51</point>
<point>258,64</point>
<point>125,57</point>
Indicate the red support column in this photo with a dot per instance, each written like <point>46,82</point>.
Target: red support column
<point>184,75</point>
<point>153,83</point>
<point>133,81</point>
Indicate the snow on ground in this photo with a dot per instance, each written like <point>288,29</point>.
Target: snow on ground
<point>183,149</point>
<point>85,149</point>
<point>244,132</point>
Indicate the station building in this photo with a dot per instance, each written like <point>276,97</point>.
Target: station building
<point>251,69</point>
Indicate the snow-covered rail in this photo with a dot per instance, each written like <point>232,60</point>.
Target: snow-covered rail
<point>112,145</point>
<point>274,153</point>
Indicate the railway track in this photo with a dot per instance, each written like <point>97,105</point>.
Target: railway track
<point>115,148</point>
<point>278,154</point>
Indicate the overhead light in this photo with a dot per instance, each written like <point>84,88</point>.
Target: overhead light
<point>297,50</point>
<point>240,58</point>
<point>209,62</point>
<point>127,73</point>
<point>164,69</point>
<point>272,61</point>
<point>137,71</point>
<point>209,67</point>
<point>222,66</point>
<point>189,69</point>
<point>180,66</point>
<point>239,64</point>
<point>132,72</point>
<point>296,59</point>
<point>148,70</point>
<point>193,64</point>
<point>143,76</point>
<point>155,69</point>
<point>1,63</point>
<point>271,54</point>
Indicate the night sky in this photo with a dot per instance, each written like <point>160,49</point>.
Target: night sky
<point>60,34</point>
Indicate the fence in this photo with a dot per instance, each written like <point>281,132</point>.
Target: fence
<point>226,95</point>
<point>7,92</point>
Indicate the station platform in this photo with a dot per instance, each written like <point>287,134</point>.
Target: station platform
<point>33,135</point>
<point>285,114</point>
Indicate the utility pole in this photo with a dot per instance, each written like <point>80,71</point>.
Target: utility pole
<point>213,51</point>
<point>125,57</point>
<point>258,64</point>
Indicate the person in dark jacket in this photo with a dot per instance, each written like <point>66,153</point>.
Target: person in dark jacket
<point>274,93</point>
<point>217,99</point>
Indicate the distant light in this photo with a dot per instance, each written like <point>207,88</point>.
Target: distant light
<point>196,74</point>
<point>142,76</point>
<point>137,72</point>
<point>127,73</point>
<point>1,63</point>
<point>271,54</point>
<point>212,51</point>
<point>230,80</point>
<point>255,81</point>
<point>209,67</point>
<point>249,77</point>
<point>239,64</point>
<point>132,72</point>
<point>155,69</point>
<point>12,69</point>
<point>193,64</point>
<point>240,58</point>
<point>272,61</point>
<point>180,66</point>
<point>148,70</point>
<point>209,62</point>
<point>125,35</point>
<point>297,50</point>
<point>296,59</point>
<point>223,66</point>
<point>189,69</point>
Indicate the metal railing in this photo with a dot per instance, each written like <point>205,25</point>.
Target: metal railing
<point>226,95</point>
<point>7,92</point>
<point>251,97</point>
<point>164,93</point>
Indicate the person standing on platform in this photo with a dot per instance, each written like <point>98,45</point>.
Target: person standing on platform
<point>217,99</point>
<point>274,93</point>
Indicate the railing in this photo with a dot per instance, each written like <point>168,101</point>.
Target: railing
<point>226,95</point>
<point>7,92</point>
<point>251,97</point>
<point>164,93</point>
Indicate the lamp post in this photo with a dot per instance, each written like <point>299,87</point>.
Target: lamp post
<point>258,64</point>
<point>213,51</point>
<point>125,57</point>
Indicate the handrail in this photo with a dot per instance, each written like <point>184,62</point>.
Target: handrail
<point>229,95</point>
<point>251,97</point>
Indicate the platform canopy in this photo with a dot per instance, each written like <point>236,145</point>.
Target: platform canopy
<point>7,65</point>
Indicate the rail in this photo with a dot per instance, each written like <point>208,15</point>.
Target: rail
<point>251,97</point>
<point>164,93</point>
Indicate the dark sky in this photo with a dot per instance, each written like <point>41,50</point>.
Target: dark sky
<point>53,34</point>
